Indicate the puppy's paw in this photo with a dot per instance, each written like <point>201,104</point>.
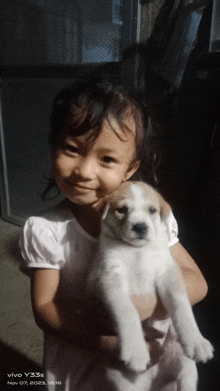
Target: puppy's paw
<point>199,349</point>
<point>136,357</point>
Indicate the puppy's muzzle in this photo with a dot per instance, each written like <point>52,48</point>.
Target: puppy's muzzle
<point>140,229</point>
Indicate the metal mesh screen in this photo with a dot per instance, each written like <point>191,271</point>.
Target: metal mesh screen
<point>61,32</point>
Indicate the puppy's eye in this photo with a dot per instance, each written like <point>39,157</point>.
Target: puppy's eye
<point>122,210</point>
<point>152,210</point>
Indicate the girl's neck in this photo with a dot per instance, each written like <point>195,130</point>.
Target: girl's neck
<point>87,216</point>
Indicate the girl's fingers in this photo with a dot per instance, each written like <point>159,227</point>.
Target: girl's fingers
<point>155,352</point>
<point>151,334</point>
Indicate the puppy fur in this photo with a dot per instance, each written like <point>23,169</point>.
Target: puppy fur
<point>134,259</point>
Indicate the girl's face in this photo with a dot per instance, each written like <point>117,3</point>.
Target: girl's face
<point>85,174</point>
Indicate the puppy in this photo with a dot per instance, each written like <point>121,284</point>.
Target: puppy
<point>134,259</point>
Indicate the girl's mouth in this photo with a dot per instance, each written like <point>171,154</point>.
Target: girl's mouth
<point>80,188</point>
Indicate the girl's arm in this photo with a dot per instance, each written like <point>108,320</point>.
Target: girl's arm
<point>50,313</point>
<point>196,285</point>
<point>60,319</point>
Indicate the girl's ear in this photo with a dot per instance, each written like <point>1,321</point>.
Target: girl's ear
<point>132,169</point>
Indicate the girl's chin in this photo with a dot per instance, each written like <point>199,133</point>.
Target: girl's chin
<point>86,201</point>
<point>86,198</point>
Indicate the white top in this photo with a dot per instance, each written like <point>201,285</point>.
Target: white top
<point>57,241</point>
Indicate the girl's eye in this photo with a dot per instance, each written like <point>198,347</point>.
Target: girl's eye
<point>108,159</point>
<point>71,149</point>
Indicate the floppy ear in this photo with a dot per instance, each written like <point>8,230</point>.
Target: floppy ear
<point>107,201</point>
<point>105,212</point>
<point>164,208</point>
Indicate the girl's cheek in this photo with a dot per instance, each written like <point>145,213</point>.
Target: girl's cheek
<point>112,183</point>
<point>62,165</point>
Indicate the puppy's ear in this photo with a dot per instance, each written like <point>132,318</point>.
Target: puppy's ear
<point>107,201</point>
<point>105,212</point>
<point>164,208</point>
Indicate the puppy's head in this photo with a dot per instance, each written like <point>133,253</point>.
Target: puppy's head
<point>134,214</point>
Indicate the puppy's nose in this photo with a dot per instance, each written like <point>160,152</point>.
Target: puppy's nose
<point>140,229</point>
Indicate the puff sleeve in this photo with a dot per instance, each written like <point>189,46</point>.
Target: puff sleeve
<point>171,229</point>
<point>39,245</point>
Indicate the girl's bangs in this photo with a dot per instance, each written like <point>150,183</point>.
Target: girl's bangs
<point>85,113</point>
<point>79,121</point>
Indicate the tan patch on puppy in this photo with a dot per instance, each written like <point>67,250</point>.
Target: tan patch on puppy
<point>135,213</point>
<point>149,193</point>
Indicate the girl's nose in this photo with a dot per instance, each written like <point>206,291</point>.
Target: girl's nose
<point>86,169</point>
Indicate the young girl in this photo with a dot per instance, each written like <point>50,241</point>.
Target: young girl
<point>97,134</point>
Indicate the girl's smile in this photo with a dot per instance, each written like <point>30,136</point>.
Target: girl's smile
<point>86,173</point>
<point>80,188</point>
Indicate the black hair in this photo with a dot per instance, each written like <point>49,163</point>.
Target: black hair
<point>82,107</point>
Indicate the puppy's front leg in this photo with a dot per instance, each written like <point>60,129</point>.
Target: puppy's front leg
<point>172,291</point>
<point>114,286</point>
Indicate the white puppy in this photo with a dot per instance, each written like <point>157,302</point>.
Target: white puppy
<point>134,259</point>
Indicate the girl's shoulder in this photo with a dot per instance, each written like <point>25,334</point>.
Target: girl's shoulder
<point>40,243</point>
<point>51,219</point>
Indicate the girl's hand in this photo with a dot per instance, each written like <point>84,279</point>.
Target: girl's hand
<point>150,333</point>
<point>109,345</point>
<point>151,336</point>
